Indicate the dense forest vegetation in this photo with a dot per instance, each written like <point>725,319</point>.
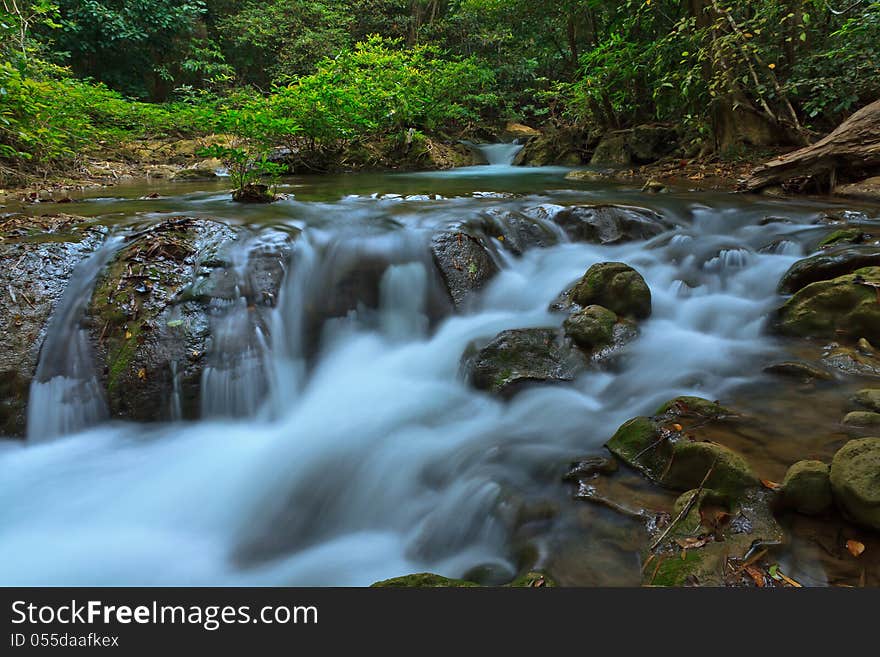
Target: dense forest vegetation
<point>320,77</point>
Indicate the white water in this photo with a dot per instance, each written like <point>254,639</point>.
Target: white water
<point>380,461</point>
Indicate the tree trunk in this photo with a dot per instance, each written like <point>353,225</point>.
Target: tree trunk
<point>850,153</point>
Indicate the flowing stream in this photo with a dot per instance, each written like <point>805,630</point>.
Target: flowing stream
<point>362,455</point>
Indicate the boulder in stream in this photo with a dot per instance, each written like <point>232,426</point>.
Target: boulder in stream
<point>603,223</point>
<point>847,306</point>
<point>464,264</point>
<point>830,264</point>
<point>855,481</point>
<point>807,487</point>
<point>616,286</point>
<point>520,357</point>
<point>37,257</point>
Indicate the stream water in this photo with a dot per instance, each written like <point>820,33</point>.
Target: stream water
<point>376,459</point>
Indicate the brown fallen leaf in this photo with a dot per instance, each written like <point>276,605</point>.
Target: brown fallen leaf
<point>142,374</point>
<point>690,543</point>
<point>677,427</point>
<point>789,580</point>
<point>772,485</point>
<point>757,575</point>
<point>855,547</point>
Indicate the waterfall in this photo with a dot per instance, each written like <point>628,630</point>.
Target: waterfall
<point>65,394</point>
<point>498,155</point>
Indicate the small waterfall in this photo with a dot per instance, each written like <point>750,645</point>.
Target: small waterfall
<point>501,155</point>
<point>403,293</point>
<point>65,394</point>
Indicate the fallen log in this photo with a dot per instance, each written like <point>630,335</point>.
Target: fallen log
<point>850,153</point>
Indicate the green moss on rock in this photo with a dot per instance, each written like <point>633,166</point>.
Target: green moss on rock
<point>807,487</point>
<point>591,328</point>
<point>424,580</point>
<point>855,481</point>
<point>691,461</point>
<point>616,286</point>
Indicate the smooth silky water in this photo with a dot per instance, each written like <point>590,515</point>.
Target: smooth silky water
<point>364,455</point>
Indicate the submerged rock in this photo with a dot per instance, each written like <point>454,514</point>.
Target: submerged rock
<point>847,305</point>
<point>799,370</point>
<point>519,357</point>
<point>857,362</point>
<point>807,487</point>
<point>862,419</point>
<point>603,224</point>
<point>37,257</point>
<point>855,481</point>
<point>616,286</point>
<point>464,264</point>
<point>868,398</point>
<point>830,264</point>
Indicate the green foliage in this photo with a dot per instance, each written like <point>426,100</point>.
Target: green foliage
<point>245,167</point>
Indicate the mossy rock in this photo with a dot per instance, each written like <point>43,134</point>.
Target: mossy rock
<point>520,357</point>
<point>591,328</point>
<point>868,398</point>
<point>691,461</point>
<point>832,263</point>
<point>855,481</point>
<point>464,264</point>
<point>862,419</point>
<point>602,223</point>
<point>688,406</point>
<point>847,305</point>
<point>430,580</point>
<point>794,369</point>
<point>613,150</point>
<point>195,174</point>
<point>616,286</point>
<point>807,487</point>
<point>842,236</point>
<point>254,193</point>
<point>424,580</point>
<point>639,444</point>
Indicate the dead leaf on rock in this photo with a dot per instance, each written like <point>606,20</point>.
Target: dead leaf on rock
<point>772,485</point>
<point>855,547</point>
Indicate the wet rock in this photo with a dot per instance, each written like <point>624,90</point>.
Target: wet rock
<point>666,449</point>
<point>616,286</point>
<point>591,175</point>
<point>591,328</point>
<point>856,362</point>
<point>195,174</point>
<point>520,357</point>
<point>613,150</point>
<point>844,236</point>
<point>512,231</point>
<point>641,145</point>
<point>464,264</point>
<point>862,419</point>
<point>590,466</point>
<point>796,369</point>
<point>868,398</point>
<point>154,308</point>
<point>834,262</point>
<point>807,487</point>
<point>555,147</point>
<point>710,535</point>
<point>868,189</point>
<point>531,579</point>
<point>423,580</point>
<point>855,481</point>
<point>254,193</point>
<point>519,131</point>
<point>847,305</point>
<point>603,224</point>
<point>37,257</point>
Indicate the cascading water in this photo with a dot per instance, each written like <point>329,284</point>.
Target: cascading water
<point>65,396</point>
<point>498,154</point>
<point>375,458</point>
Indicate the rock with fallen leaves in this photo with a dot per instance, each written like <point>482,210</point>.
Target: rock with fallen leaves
<point>844,307</point>
<point>37,257</point>
<point>807,487</point>
<point>532,579</point>
<point>855,481</point>
<point>675,448</point>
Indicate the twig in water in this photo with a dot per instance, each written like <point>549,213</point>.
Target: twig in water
<point>687,507</point>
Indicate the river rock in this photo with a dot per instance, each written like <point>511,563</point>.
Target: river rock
<point>796,369</point>
<point>640,145</point>
<point>464,264</point>
<point>855,481</point>
<point>531,579</point>
<point>868,398</point>
<point>830,264</point>
<point>844,236</point>
<point>254,193</point>
<point>513,231</point>
<point>154,308</point>
<point>37,257</point>
<point>520,357</point>
<point>667,448</point>
<point>856,362</point>
<point>847,305</point>
<point>616,286</point>
<point>195,174</point>
<point>807,487</point>
<point>591,328</point>
<point>603,224</point>
<point>862,419</point>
